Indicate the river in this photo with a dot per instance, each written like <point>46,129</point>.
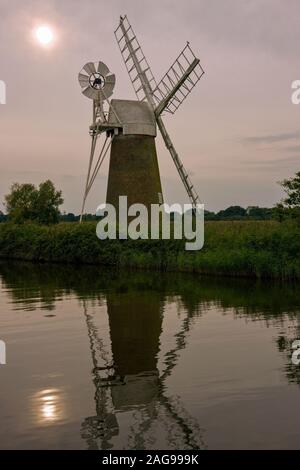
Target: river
<point>99,359</point>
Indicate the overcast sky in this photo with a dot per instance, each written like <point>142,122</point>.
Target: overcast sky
<point>237,134</point>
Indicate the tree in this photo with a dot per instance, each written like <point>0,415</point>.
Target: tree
<point>259,213</point>
<point>289,207</point>
<point>292,189</point>
<point>279,212</point>
<point>26,202</point>
<point>20,201</point>
<point>70,217</point>
<point>232,213</point>
<point>47,203</point>
<point>208,215</point>
<point>2,217</point>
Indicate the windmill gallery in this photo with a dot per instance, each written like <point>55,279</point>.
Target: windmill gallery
<point>128,128</point>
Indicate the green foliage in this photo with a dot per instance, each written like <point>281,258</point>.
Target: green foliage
<point>289,208</point>
<point>279,212</point>
<point>261,249</point>
<point>47,203</point>
<point>239,213</point>
<point>259,213</point>
<point>20,202</point>
<point>25,202</point>
<point>209,215</point>
<point>292,189</point>
<point>232,213</point>
<point>3,217</point>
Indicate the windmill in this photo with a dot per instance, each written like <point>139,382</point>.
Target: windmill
<point>130,127</point>
<point>126,374</point>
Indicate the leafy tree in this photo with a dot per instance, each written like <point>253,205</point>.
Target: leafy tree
<point>20,202</point>
<point>209,215</point>
<point>26,202</point>
<point>289,207</point>
<point>232,213</point>
<point>46,207</point>
<point>70,217</point>
<point>2,217</point>
<point>292,189</point>
<point>279,212</point>
<point>259,213</point>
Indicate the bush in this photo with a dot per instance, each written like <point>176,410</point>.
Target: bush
<point>262,249</point>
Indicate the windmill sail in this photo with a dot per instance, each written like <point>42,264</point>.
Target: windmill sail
<point>135,61</point>
<point>178,82</point>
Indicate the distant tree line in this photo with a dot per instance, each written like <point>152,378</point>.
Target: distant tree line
<point>26,202</point>
<point>239,213</point>
<point>70,217</point>
<point>231,213</point>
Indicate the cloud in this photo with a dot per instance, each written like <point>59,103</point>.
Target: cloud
<point>274,162</point>
<point>272,138</point>
<point>293,148</point>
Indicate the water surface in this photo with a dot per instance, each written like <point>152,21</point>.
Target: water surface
<point>104,360</point>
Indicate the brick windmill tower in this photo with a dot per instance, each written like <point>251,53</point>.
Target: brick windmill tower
<point>130,127</point>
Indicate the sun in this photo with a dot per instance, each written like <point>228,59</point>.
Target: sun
<point>44,35</point>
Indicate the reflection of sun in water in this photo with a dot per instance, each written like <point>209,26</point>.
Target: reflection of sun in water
<point>48,406</point>
<point>44,35</point>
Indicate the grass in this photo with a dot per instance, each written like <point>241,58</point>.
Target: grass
<point>261,249</point>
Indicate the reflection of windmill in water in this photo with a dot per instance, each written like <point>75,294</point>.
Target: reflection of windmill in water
<point>130,382</point>
<point>130,126</point>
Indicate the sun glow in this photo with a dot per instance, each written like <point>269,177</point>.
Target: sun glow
<point>44,35</point>
<point>49,406</point>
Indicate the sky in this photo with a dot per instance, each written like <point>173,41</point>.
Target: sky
<point>237,133</point>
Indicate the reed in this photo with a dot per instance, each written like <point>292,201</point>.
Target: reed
<point>261,249</point>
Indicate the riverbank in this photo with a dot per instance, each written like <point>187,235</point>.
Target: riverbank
<point>261,249</point>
